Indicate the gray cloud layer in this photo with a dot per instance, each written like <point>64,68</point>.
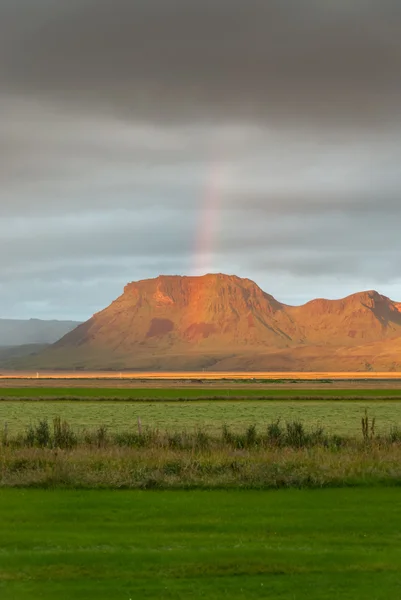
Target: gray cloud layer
<point>149,136</point>
<point>213,59</point>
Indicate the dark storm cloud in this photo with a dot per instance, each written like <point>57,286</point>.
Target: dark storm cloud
<point>263,136</point>
<point>212,59</point>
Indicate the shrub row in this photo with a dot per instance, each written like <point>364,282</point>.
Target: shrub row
<point>292,434</point>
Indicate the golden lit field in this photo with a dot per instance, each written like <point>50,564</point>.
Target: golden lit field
<point>207,375</point>
<point>281,380</point>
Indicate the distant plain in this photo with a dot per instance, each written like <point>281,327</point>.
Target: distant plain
<point>178,376</point>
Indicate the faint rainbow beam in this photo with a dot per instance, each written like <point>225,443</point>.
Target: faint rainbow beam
<point>206,238</point>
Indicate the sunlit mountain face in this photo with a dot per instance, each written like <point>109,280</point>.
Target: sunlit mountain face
<point>226,323</point>
<point>169,136</point>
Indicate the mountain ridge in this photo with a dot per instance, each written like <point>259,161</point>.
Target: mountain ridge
<point>178,322</point>
<point>19,332</point>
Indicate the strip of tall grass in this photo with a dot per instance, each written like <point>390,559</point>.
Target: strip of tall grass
<point>293,434</point>
<point>272,456</point>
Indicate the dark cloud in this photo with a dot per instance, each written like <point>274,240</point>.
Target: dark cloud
<point>140,137</point>
<point>212,59</point>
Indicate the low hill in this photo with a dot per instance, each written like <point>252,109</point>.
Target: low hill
<point>14,332</point>
<point>11,354</point>
<point>223,322</point>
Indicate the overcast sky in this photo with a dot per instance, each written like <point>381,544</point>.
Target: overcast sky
<point>146,137</point>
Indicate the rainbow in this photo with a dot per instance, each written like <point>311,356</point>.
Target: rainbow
<point>206,237</point>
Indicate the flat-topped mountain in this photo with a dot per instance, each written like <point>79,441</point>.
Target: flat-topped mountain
<point>186,311</point>
<point>225,322</point>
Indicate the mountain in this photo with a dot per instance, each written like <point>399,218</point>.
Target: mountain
<point>15,332</point>
<point>8,354</point>
<point>222,322</point>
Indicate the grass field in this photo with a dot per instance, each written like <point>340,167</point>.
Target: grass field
<point>298,545</point>
<point>340,416</point>
<point>338,410</point>
<point>238,543</point>
<point>180,394</point>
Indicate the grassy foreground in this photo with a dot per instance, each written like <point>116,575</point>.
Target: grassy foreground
<point>276,456</point>
<point>312,545</point>
<point>134,468</point>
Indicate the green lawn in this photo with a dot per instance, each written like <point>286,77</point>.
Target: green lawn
<point>326,544</point>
